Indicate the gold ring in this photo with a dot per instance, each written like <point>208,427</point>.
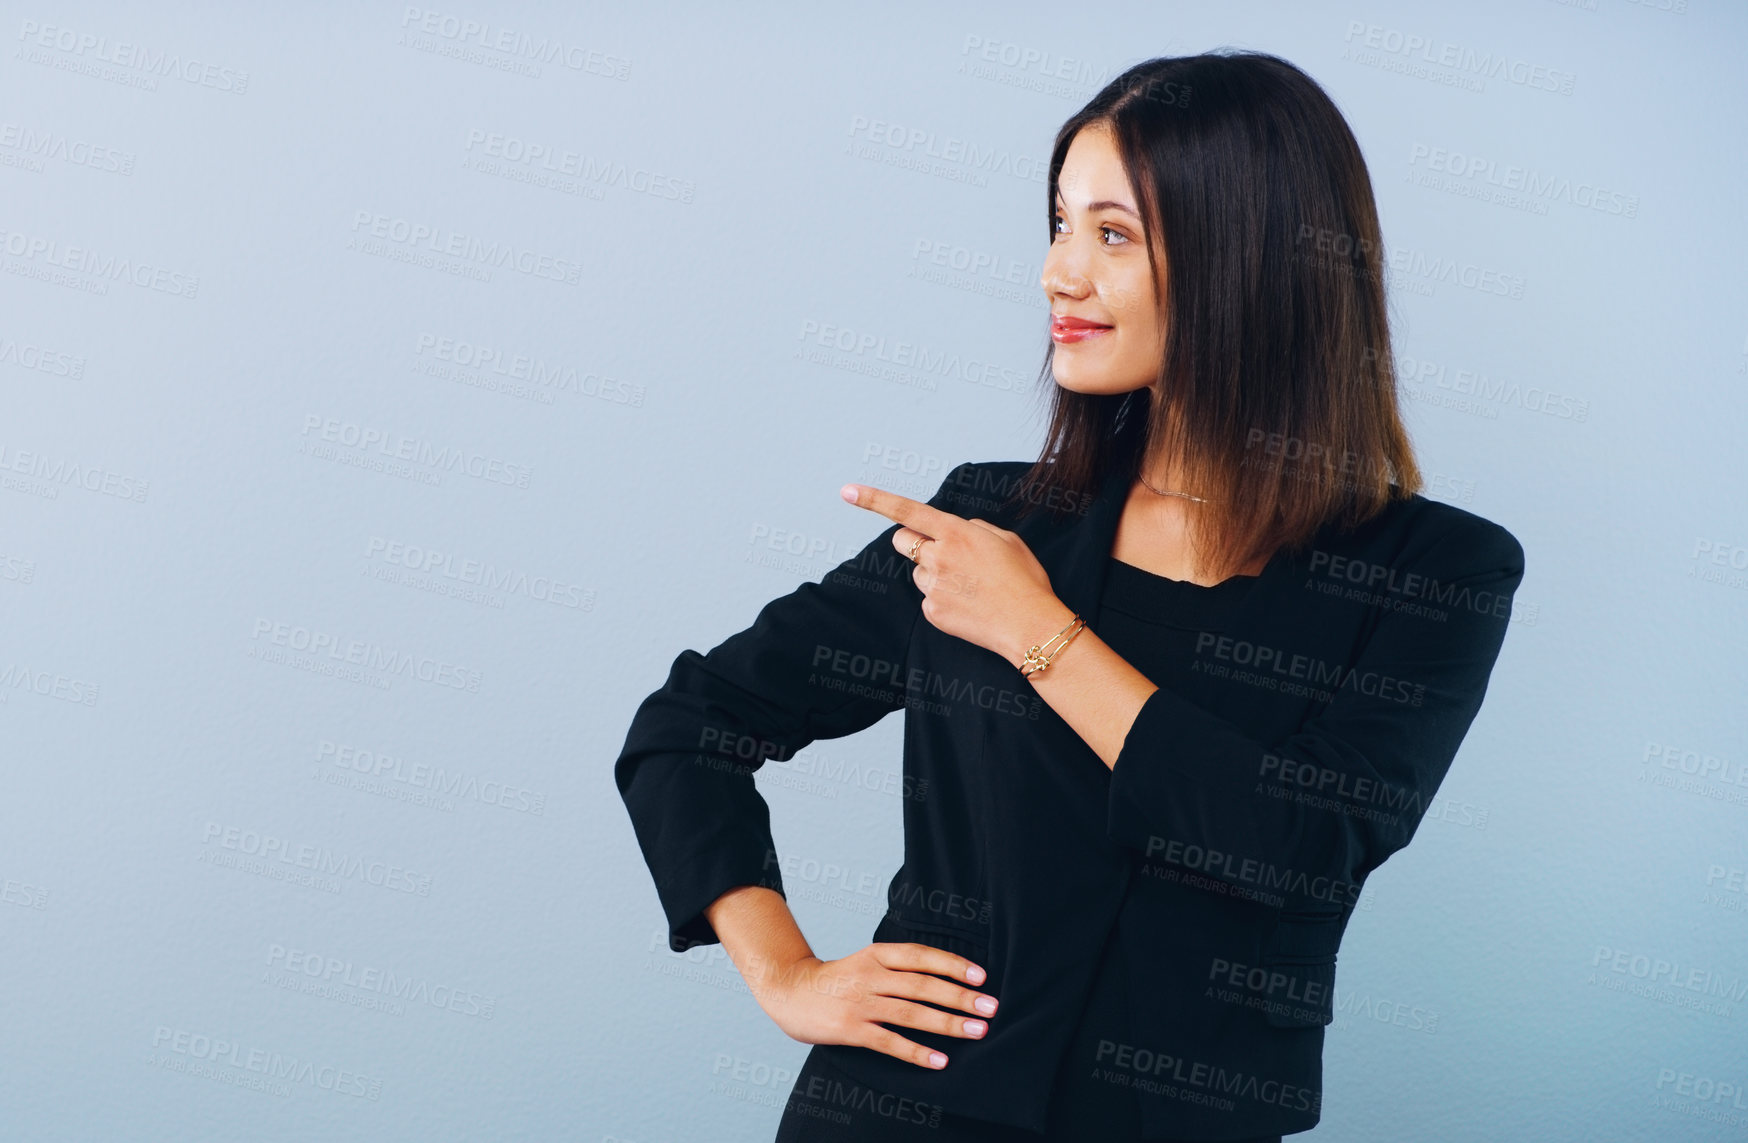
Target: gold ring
<point>916,545</point>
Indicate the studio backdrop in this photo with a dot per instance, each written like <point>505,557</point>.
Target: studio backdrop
<point>389,393</point>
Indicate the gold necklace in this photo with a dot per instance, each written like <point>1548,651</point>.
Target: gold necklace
<point>1185,495</point>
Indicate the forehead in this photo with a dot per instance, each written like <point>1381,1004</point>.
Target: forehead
<point>1093,168</point>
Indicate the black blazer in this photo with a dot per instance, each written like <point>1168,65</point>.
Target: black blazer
<point>1229,842</point>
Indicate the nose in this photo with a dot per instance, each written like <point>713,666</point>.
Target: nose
<point>1060,276</point>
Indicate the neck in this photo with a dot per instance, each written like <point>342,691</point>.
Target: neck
<point>1161,467</point>
<point>1166,474</point>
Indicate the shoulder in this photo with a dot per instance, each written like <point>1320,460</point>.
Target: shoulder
<point>1437,536</point>
<point>990,471</point>
<point>980,487</point>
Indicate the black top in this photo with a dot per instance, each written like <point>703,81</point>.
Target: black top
<point>1152,621</point>
<point>1226,847</point>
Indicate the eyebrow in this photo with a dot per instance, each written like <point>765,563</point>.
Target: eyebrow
<point>1105,203</point>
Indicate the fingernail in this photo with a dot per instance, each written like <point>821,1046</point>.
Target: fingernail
<point>848,492</point>
<point>974,975</point>
<point>975,1027</point>
<point>985,1005</point>
<point>937,1060</point>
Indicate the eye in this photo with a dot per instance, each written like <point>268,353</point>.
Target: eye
<point>1058,221</point>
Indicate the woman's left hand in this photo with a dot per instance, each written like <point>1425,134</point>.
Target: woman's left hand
<point>979,581</point>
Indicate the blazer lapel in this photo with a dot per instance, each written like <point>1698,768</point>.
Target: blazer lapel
<point>1074,553</point>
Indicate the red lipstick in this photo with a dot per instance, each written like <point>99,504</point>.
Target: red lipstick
<point>1066,330</point>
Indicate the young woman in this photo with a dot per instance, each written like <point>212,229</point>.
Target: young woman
<point>1171,692</point>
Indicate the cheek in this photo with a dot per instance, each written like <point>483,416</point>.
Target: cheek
<point>1131,298</point>
<point>1141,342</point>
<point>1138,316</point>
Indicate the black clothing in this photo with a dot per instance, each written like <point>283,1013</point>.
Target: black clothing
<point>828,1105</point>
<point>1227,845</point>
<point>1151,621</point>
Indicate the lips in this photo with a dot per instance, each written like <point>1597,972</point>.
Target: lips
<point>1066,330</point>
<point>1062,321</point>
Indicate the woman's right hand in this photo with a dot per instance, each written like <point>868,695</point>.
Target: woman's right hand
<point>848,1001</point>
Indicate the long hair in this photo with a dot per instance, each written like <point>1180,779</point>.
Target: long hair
<point>1278,381</point>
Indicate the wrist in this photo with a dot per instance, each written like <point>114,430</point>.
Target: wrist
<point>773,977</point>
<point>1037,625</point>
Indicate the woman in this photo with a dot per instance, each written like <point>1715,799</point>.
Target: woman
<point>1171,692</point>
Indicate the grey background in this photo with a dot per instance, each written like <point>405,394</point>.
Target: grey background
<point>214,619</point>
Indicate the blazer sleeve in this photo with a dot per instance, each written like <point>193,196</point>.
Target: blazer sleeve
<point>1307,817</point>
<point>824,661</point>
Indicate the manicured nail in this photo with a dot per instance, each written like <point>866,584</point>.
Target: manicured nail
<point>985,1005</point>
<point>848,492</point>
<point>975,1027</point>
<point>937,1060</point>
<point>974,975</point>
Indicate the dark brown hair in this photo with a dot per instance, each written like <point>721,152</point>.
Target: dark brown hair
<point>1279,381</point>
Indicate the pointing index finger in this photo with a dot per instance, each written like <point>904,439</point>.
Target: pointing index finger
<point>924,518</point>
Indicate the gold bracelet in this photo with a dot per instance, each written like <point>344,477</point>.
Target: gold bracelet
<point>1039,657</point>
<point>1056,637</point>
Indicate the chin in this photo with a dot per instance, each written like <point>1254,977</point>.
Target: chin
<point>1078,378</point>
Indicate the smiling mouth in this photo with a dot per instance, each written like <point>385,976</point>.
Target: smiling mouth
<point>1065,334</point>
